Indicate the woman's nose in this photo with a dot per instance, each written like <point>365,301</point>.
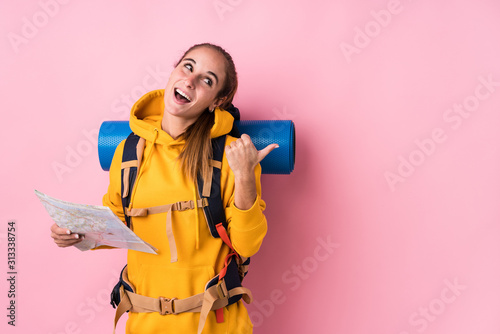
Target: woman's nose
<point>189,81</point>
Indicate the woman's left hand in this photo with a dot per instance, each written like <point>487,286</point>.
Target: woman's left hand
<point>243,157</point>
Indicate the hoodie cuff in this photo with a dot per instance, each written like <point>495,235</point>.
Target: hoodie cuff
<point>246,220</point>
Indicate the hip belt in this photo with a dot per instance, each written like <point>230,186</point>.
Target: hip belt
<point>219,292</point>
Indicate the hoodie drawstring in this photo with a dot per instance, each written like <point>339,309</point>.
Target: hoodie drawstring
<point>140,212</point>
<point>167,208</point>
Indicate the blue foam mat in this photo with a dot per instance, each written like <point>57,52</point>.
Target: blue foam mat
<point>263,133</point>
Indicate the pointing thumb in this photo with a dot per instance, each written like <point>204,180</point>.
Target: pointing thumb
<point>265,151</point>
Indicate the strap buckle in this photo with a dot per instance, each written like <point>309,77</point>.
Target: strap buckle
<point>167,306</point>
<point>185,205</point>
<point>204,202</point>
<point>221,289</point>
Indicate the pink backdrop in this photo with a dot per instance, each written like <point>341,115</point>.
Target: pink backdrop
<point>389,223</point>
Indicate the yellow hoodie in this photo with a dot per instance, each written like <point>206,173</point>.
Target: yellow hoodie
<point>200,256</point>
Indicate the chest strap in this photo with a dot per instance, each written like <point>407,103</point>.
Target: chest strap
<point>168,208</point>
<point>213,298</point>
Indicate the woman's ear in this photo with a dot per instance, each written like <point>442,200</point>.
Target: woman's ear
<point>217,103</point>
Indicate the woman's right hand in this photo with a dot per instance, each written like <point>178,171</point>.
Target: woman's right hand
<point>63,237</point>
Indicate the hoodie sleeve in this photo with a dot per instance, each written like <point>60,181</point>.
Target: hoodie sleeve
<point>112,198</point>
<point>246,228</point>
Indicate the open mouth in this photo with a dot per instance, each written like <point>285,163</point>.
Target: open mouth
<point>181,97</point>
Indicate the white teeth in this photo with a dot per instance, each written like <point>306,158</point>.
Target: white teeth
<point>180,92</point>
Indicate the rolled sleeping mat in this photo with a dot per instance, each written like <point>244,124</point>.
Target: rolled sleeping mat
<point>280,161</point>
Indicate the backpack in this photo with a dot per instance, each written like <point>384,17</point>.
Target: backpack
<point>222,290</point>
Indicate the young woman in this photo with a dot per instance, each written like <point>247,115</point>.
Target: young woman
<point>177,124</point>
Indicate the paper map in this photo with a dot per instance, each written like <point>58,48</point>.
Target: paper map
<point>98,224</point>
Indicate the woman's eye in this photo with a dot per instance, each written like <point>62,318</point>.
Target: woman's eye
<point>208,81</point>
<point>189,67</point>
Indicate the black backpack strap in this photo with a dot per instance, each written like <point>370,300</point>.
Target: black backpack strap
<point>210,191</point>
<point>236,115</point>
<point>123,281</point>
<point>129,171</point>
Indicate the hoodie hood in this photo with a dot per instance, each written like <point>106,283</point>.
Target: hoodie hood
<point>147,114</point>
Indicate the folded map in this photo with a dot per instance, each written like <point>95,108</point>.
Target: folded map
<point>99,225</point>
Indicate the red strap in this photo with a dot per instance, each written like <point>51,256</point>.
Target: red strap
<point>219,314</point>
<point>223,271</point>
<point>223,235</point>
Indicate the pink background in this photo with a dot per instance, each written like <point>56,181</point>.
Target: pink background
<point>371,87</point>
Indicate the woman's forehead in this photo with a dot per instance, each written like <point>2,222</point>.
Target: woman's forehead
<point>206,56</point>
<point>208,59</point>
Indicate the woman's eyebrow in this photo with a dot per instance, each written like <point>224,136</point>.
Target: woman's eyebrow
<point>215,76</point>
<point>209,72</point>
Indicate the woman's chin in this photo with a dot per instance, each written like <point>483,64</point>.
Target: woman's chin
<point>185,112</point>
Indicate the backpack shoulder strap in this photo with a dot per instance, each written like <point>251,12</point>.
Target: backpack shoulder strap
<point>235,112</point>
<point>210,189</point>
<point>129,167</point>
